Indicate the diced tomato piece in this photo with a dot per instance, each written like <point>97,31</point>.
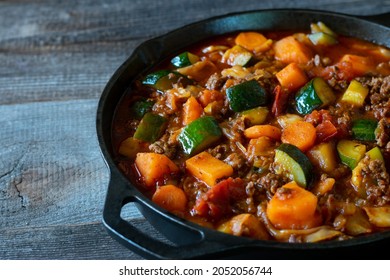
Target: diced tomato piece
<point>217,201</point>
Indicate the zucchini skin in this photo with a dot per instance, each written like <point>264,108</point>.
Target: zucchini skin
<point>199,135</point>
<point>364,129</point>
<point>301,159</point>
<point>150,127</point>
<point>247,95</point>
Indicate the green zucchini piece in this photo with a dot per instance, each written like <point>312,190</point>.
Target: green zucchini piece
<point>364,129</point>
<point>246,95</point>
<point>291,161</point>
<point>375,153</point>
<point>140,107</point>
<point>350,152</point>
<point>322,39</point>
<point>256,115</point>
<point>150,127</point>
<point>162,79</point>
<point>237,56</point>
<point>315,94</point>
<point>184,59</point>
<point>199,135</point>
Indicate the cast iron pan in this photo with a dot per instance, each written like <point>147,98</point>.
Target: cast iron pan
<point>191,241</point>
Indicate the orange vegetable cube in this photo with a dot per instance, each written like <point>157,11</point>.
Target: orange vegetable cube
<point>292,77</point>
<point>191,110</point>
<point>290,50</point>
<point>300,134</point>
<point>207,168</point>
<point>358,65</point>
<point>154,167</point>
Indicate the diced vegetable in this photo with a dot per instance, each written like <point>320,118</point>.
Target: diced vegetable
<point>237,55</point>
<point>245,225</point>
<point>140,107</point>
<point>291,161</point>
<point>357,176</point>
<point>218,200</point>
<point>192,110</point>
<point>300,134</point>
<point>256,116</point>
<point>287,119</point>
<point>131,146</point>
<point>154,168</point>
<point>322,38</point>
<point>246,95</point>
<point>259,147</point>
<point>355,94</point>
<point>293,207</point>
<point>379,216</point>
<point>207,168</point>
<point>281,97</point>
<point>375,153</point>
<point>290,50</point>
<point>315,94</point>
<point>268,130</point>
<point>207,96</point>
<point>324,186</point>
<point>292,77</point>
<point>357,223</point>
<point>199,135</point>
<point>250,40</point>
<point>324,156</point>
<point>359,65</point>
<point>321,27</point>
<point>162,79</point>
<point>364,129</point>
<point>325,131</point>
<point>198,71</point>
<point>170,198</point>
<point>350,152</point>
<point>150,127</point>
<point>184,59</point>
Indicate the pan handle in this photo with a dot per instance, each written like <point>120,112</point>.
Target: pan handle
<point>144,245</point>
<point>383,19</point>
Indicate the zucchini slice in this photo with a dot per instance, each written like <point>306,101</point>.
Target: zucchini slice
<point>350,152</point>
<point>199,135</point>
<point>364,129</point>
<point>162,79</point>
<point>150,127</point>
<point>291,161</point>
<point>140,107</point>
<point>315,94</point>
<point>246,95</point>
<point>322,39</point>
<point>237,56</point>
<point>184,59</point>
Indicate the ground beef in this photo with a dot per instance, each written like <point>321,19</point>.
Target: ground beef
<point>342,116</point>
<point>379,95</point>
<point>268,183</point>
<point>376,180</point>
<point>382,134</point>
<point>161,146</point>
<point>215,82</point>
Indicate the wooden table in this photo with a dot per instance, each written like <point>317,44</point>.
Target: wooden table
<point>55,59</point>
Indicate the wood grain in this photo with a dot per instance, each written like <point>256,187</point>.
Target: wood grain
<point>56,57</point>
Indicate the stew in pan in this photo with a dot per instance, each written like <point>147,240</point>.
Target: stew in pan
<point>272,135</point>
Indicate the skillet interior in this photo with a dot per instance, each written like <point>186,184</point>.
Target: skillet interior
<point>191,240</point>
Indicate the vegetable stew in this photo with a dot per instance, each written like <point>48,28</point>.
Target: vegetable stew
<point>272,135</point>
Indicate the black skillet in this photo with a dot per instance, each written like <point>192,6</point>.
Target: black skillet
<point>191,241</point>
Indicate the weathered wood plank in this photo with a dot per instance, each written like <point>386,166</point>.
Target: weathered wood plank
<point>56,57</point>
<point>61,51</point>
<point>84,241</point>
